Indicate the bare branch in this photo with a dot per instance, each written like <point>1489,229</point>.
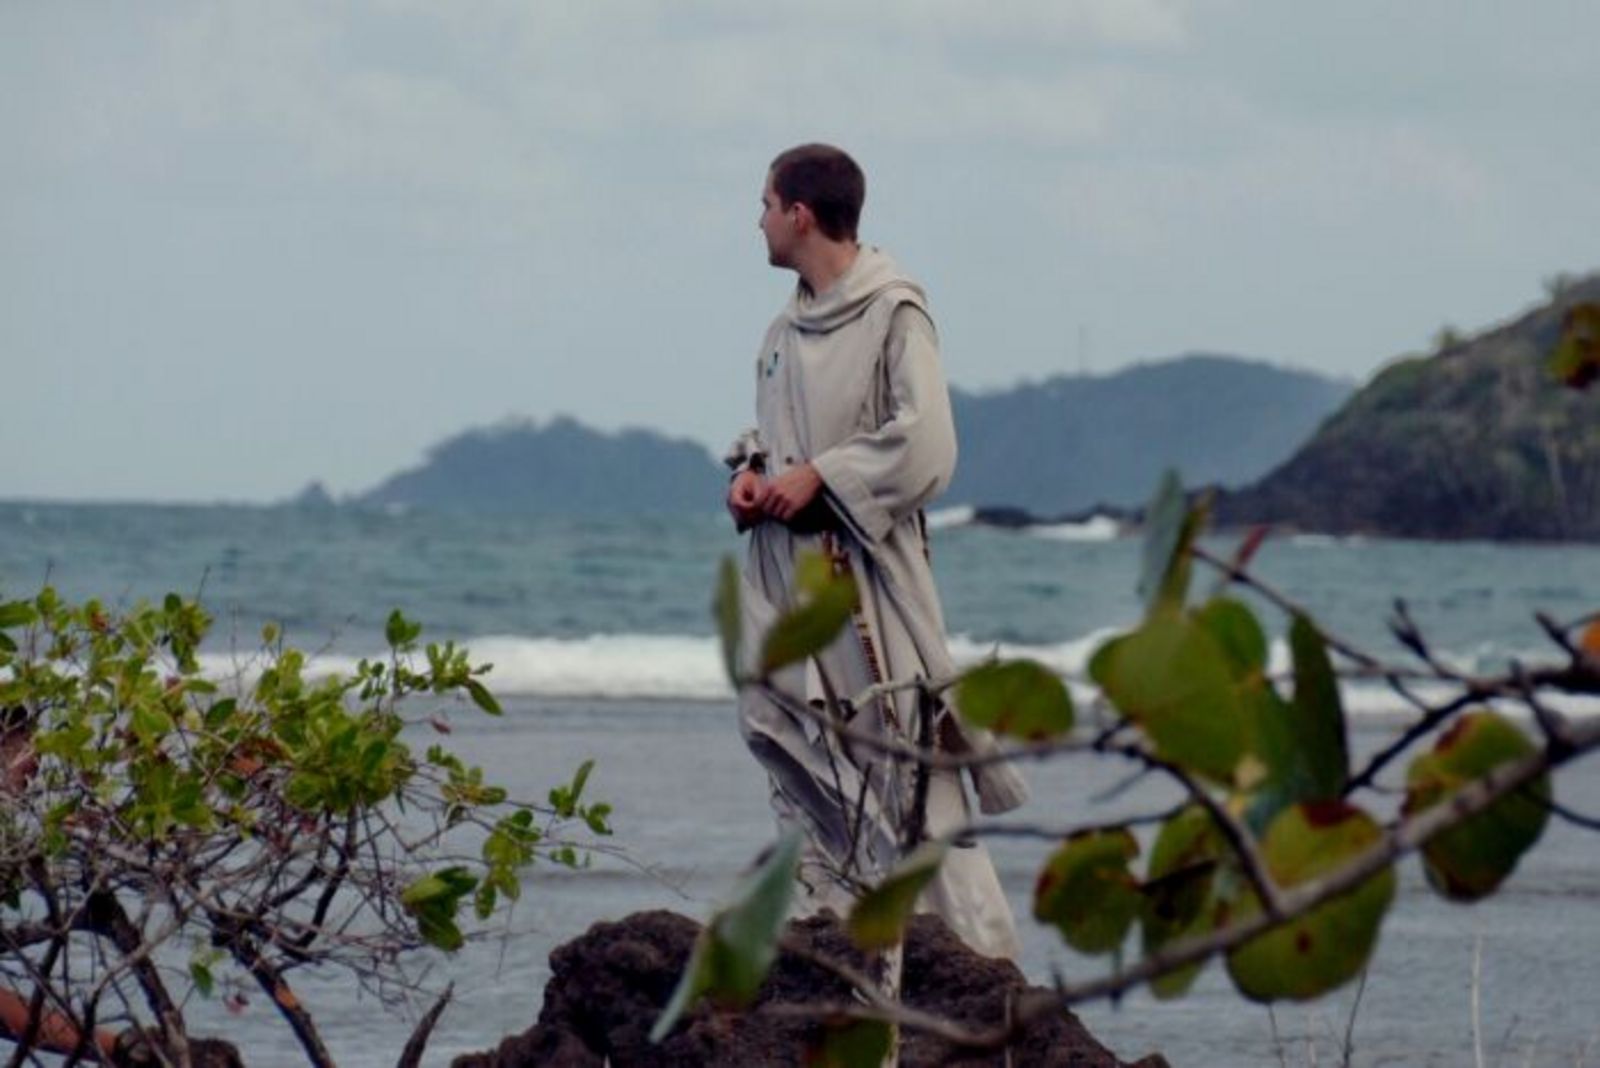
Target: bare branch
<point>411,1056</point>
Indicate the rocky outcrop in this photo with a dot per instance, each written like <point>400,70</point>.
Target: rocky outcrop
<point>1479,440</point>
<point>608,986</point>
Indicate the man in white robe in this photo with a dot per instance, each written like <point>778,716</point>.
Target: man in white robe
<point>854,438</point>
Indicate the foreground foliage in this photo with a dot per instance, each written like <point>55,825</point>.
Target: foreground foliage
<point>165,833</point>
<point>1282,858</point>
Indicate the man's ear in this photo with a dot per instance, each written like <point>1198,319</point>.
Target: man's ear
<point>804,220</point>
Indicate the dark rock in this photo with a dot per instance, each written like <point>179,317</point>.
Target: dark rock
<point>608,986</point>
<point>214,1053</point>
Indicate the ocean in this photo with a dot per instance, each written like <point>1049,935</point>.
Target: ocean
<point>601,638</point>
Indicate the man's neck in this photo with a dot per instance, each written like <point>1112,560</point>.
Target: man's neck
<point>828,261</point>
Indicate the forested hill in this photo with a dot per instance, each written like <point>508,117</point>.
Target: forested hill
<point>1071,442</point>
<point>1476,441</point>
<point>1062,445</point>
<point>560,468</point>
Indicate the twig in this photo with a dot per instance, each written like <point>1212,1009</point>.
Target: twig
<point>1348,1048</point>
<point>1477,1015</point>
<point>1422,727</point>
<point>1244,578</point>
<point>1238,836</point>
<point>1556,808</point>
<point>411,1056</point>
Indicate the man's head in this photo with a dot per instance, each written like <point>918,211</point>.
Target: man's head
<point>811,189</point>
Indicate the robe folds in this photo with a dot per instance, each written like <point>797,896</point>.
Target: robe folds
<point>850,381</point>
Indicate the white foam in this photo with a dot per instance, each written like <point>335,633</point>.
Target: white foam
<point>601,665</point>
<point>1095,528</point>
<point>1320,541</point>
<point>958,516</point>
<point>689,667</point>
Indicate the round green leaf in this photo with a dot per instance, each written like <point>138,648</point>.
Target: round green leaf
<point>1020,698</point>
<point>1324,948</point>
<point>1172,678</point>
<point>1087,891</point>
<point>1471,859</point>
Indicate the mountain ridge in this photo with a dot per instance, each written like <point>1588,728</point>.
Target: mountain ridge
<point>520,465</point>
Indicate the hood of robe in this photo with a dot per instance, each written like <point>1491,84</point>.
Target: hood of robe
<point>869,276</point>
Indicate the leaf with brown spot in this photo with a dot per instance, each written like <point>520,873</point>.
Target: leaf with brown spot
<point>1314,953</point>
<point>1086,891</point>
<point>1468,861</point>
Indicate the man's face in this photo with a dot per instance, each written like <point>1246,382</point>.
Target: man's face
<point>778,226</point>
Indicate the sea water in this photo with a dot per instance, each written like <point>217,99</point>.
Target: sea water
<point>602,644</point>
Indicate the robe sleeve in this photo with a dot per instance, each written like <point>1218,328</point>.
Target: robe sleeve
<point>878,477</point>
<point>746,453</point>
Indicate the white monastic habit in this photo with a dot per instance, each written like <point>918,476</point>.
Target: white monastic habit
<point>850,380</point>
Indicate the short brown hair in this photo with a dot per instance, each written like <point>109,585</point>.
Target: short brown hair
<point>826,180</point>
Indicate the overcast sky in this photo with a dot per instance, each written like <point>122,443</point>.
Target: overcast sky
<point>245,245</point>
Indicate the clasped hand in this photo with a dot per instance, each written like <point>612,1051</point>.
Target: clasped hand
<point>752,498</point>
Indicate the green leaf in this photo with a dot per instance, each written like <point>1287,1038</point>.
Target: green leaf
<point>1179,891</point>
<point>482,697</point>
<point>848,1043</point>
<point>595,817</point>
<point>399,631</point>
<point>879,918</point>
<point>825,603</point>
<point>1471,859</point>
<point>438,928</point>
<point>1086,890</point>
<point>1174,680</point>
<point>17,614</point>
<point>725,611</point>
<point>204,982</point>
<point>1170,527</point>
<point>150,723</point>
<point>1237,634</point>
<point>434,900</point>
<point>1329,945</point>
<point>452,882</point>
<point>732,954</point>
<point>1020,698</point>
<point>1319,721</point>
<point>220,712</point>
